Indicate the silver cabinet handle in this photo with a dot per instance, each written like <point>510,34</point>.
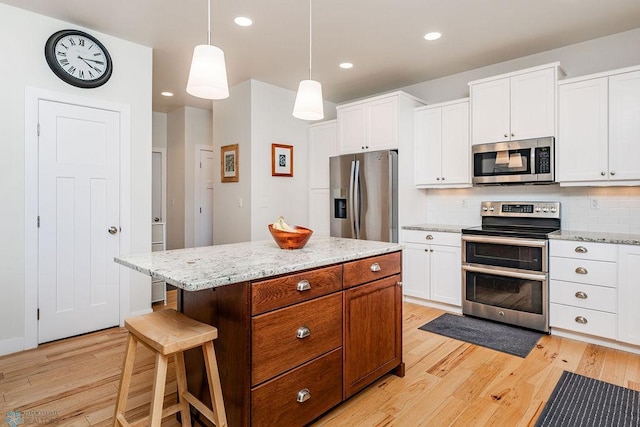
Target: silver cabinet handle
<point>399,284</point>
<point>437,178</point>
<point>303,332</point>
<point>303,285</point>
<point>429,237</point>
<point>581,295</point>
<point>581,250</point>
<point>443,178</point>
<point>506,135</point>
<point>581,320</point>
<point>375,267</point>
<point>603,173</point>
<point>513,134</point>
<point>112,230</point>
<point>581,270</point>
<point>303,395</point>
<point>613,172</point>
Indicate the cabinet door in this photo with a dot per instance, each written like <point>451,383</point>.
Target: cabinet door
<point>628,294</point>
<point>490,111</point>
<point>352,129</point>
<point>428,129</point>
<point>382,124</point>
<point>446,274</point>
<point>583,131</point>
<point>415,270</point>
<point>624,126</point>
<point>372,332</point>
<point>533,105</point>
<point>322,145</point>
<point>455,149</point>
<point>320,212</point>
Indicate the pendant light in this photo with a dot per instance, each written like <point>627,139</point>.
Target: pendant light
<point>309,105</point>
<point>208,74</point>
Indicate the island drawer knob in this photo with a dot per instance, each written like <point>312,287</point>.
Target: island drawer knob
<point>303,395</point>
<point>581,270</point>
<point>581,320</point>
<point>581,295</point>
<point>303,332</point>
<point>581,250</point>
<point>375,267</point>
<point>303,285</point>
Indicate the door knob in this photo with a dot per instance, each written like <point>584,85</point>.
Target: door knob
<point>113,229</point>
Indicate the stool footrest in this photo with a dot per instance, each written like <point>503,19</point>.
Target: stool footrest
<point>169,410</point>
<point>201,407</point>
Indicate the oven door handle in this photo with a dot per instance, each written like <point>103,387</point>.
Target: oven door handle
<point>504,241</point>
<point>501,272</point>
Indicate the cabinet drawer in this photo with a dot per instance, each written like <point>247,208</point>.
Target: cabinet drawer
<point>598,323</point>
<point>276,347</point>
<point>431,237</point>
<point>369,269</point>
<point>583,250</point>
<point>275,403</point>
<point>583,271</point>
<point>283,291</point>
<point>583,296</point>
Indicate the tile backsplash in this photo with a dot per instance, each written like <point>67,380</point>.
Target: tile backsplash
<point>605,209</point>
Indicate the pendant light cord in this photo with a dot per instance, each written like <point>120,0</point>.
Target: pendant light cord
<point>209,23</point>
<point>310,39</point>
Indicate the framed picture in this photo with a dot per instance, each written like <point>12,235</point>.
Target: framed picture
<point>229,163</point>
<point>281,160</point>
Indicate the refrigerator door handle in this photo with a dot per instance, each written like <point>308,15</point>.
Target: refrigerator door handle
<point>351,207</point>
<point>356,211</point>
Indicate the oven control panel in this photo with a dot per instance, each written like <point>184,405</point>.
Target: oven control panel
<point>521,209</point>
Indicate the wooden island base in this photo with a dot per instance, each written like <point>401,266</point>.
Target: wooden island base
<point>292,347</point>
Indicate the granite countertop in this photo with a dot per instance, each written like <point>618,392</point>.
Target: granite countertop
<point>447,228</point>
<point>207,267</point>
<point>596,236</point>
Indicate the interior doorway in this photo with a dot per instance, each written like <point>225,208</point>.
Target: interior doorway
<point>203,226</point>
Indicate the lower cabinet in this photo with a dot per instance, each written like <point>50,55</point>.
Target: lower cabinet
<point>292,347</point>
<point>628,294</point>
<point>432,266</point>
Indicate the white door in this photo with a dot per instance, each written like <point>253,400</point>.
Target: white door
<point>533,113</point>
<point>455,149</point>
<point>490,111</point>
<point>78,203</point>
<point>624,126</point>
<point>204,236</point>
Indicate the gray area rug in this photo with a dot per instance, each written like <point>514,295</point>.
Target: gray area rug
<point>581,401</point>
<point>497,336</point>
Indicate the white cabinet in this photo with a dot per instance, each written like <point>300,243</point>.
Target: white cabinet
<point>322,146</point>
<point>441,145</point>
<point>158,243</point>
<point>514,106</point>
<point>373,124</point>
<point>583,287</point>
<point>599,129</point>
<point>628,294</point>
<point>431,266</point>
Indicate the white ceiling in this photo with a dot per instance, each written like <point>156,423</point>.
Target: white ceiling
<point>383,38</point>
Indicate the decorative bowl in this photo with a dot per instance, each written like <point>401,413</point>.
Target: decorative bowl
<point>289,239</point>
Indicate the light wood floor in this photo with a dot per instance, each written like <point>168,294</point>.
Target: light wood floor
<point>447,382</point>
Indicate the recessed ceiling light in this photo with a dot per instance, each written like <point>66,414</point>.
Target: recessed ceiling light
<point>346,65</point>
<point>432,36</point>
<point>166,93</point>
<point>243,21</point>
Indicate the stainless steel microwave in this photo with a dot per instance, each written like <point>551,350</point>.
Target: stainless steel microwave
<point>529,161</point>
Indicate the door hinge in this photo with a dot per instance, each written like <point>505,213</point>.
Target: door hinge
<point>38,129</point>
<point>38,314</point>
<point>38,221</point>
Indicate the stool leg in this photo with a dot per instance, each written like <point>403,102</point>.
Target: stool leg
<point>214,385</point>
<point>125,380</point>
<point>157,399</point>
<point>181,377</point>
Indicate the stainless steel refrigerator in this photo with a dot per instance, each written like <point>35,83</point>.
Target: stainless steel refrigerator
<point>364,196</point>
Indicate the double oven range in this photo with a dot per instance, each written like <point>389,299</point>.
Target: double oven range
<point>505,275</point>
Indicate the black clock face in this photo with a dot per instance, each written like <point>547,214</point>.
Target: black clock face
<point>78,58</point>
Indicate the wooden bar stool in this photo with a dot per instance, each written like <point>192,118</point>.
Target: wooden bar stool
<point>168,332</point>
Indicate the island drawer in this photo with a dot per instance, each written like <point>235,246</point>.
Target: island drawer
<point>280,292</point>
<point>286,338</point>
<point>370,269</point>
<point>317,383</point>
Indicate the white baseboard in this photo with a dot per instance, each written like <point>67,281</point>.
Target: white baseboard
<point>595,340</point>
<point>11,345</point>
<point>141,312</point>
<point>433,304</point>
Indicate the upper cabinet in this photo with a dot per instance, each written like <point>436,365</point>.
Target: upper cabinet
<point>599,129</point>
<point>442,146</point>
<point>373,124</point>
<point>514,106</point>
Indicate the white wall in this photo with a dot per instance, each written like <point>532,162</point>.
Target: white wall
<point>28,68</point>
<point>159,130</point>
<point>175,179</point>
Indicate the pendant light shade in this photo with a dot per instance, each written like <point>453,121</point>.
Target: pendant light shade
<point>309,104</point>
<point>208,73</point>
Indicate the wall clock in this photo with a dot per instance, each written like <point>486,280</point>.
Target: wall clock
<point>78,58</point>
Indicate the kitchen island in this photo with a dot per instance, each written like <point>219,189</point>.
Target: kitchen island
<point>299,330</point>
